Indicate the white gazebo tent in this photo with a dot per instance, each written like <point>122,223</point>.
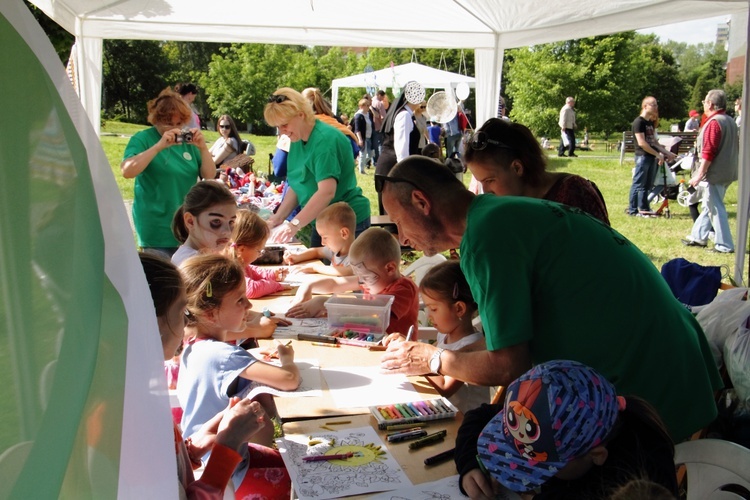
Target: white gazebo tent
<point>108,286</point>
<point>397,76</point>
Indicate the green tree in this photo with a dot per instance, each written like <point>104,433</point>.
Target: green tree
<point>61,40</point>
<point>134,73</point>
<point>608,76</point>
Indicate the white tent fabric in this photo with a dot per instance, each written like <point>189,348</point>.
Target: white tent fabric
<point>488,26</point>
<point>397,76</point>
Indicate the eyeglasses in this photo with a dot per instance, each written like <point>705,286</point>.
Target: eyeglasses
<point>480,140</point>
<point>380,181</point>
<point>227,127</point>
<point>278,99</point>
<point>423,107</point>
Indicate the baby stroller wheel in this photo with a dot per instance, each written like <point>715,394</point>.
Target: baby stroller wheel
<point>683,198</point>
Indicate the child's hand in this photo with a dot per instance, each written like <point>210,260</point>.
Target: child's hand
<point>307,269</point>
<point>290,258</point>
<point>313,308</point>
<point>285,352</point>
<point>280,273</point>
<point>478,486</point>
<point>243,419</point>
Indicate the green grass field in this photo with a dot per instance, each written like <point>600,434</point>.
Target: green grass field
<point>658,238</point>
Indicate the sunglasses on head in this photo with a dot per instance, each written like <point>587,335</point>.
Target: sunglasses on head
<point>380,181</point>
<point>480,140</point>
<point>278,99</point>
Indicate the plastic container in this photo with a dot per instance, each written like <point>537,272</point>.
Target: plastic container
<point>360,313</point>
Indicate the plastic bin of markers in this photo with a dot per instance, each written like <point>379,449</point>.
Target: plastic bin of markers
<point>358,319</point>
<point>416,411</point>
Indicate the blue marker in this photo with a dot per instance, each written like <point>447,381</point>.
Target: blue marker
<point>266,312</point>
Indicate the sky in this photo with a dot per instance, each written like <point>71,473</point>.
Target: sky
<point>691,32</point>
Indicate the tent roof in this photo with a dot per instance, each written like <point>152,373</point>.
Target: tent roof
<point>438,23</point>
<point>399,75</point>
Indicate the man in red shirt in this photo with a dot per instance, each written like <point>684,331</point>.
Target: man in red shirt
<point>718,150</point>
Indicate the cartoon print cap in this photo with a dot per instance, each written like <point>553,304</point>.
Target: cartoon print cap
<point>693,113</point>
<point>554,413</point>
<point>414,92</point>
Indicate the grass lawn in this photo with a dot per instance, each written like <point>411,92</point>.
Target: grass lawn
<point>658,238</point>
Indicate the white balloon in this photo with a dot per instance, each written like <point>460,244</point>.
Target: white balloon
<point>462,90</point>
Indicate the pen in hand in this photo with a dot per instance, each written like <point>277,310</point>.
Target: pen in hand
<point>408,334</point>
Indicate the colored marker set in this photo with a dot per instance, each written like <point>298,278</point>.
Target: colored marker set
<point>417,411</point>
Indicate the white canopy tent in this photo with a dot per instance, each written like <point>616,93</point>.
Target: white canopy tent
<point>397,76</point>
<point>487,26</point>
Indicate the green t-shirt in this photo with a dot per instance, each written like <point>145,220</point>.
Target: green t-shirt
<point>576,289</point>
<point>326,154</point>
<point>161,188</point>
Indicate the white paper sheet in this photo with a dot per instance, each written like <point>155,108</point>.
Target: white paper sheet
<point>310,326</point>
<point>356,386</point>
<point>310,385</point>
<point>376,470</point>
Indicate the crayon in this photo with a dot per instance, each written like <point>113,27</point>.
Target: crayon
<point>316,338</point>
<point>342,422</point>
<point>382,425</point>
<point>396,412</point>
<point>384,413</point>
<point>423,406</point>
<point>324,344</point>
<point>402,431</point>
<point>418,410</point>
<point>406,436</point>
<point>340,456</point>
<point>377,348</point>
<point>401,427</point>
<point>429,439</point>
<point>440,457</point>
<point>434,409</point>
<point>391,415</point>
<point>414,409</point>
<point>405,410</point>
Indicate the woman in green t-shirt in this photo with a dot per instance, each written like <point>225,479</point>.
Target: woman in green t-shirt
<point>166,160</point>
<point>320,168</point>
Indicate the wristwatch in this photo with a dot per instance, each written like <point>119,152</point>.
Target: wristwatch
<point>435,361</point>
<point>294,222</point>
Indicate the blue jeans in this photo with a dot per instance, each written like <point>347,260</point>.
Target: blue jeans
<point>377,144</point>
<point>451,144</point>
<point>315,240</point>
<point>714,214</point>
<point>643,182</point>
<point>365,154</point>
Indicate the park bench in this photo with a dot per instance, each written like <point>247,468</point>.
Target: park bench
<point>628,142</point>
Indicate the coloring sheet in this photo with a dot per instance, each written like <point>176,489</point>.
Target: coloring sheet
<point>356,386</point>
<point>442,489</point>
<point>310,382</point>
<point>310,326</point>
<point>372,468</point>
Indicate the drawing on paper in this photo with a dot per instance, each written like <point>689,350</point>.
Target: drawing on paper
<point>373,469</point>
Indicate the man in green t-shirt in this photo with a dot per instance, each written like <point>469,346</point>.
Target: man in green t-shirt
<point>552,282</point>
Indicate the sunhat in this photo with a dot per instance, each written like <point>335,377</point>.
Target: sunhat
<point>554,413</point>
<point>414,92</point>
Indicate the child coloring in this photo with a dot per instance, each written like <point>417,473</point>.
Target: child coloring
<point>213,371</point>
<point>375,257</point>
<point>563,433</point>
<point>450,307</point>
<point>229,429</point>
<point>248,242</point>
<point>203,223</point>
<point>336,225</point>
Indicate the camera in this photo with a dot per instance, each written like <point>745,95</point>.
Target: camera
<point>185,136</point>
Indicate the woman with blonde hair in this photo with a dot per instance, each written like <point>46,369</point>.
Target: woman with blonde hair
<point>320,168</point>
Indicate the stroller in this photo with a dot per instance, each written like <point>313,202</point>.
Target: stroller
<point>666,186</point>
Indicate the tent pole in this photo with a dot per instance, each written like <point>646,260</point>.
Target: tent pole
<point>743,191</point>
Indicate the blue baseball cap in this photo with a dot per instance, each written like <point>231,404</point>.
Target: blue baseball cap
<point>554,413</point>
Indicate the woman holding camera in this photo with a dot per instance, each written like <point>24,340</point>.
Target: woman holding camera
<point>165,160</point>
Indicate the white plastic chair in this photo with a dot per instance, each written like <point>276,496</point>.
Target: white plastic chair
<point>423,264</point>
<point>712,465</point>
